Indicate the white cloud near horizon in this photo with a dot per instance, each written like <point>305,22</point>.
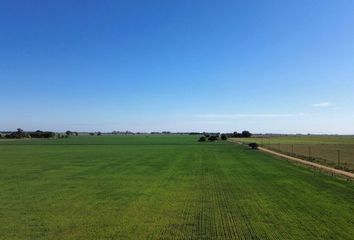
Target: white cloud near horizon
<point>322,104</point>
<point>257,115</point>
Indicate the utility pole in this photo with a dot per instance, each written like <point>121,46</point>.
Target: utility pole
<point>310,153</point>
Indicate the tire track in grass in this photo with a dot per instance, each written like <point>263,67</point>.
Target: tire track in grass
<point>234,201</point>
<point>206,215</point>
<point>258,204</point>
<point>182,224</point>
<point>228,208</point>
<point>286,209</point>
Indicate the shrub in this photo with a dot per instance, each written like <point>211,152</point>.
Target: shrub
<point>223,137</point>
<point>92,134</point>
<point>19,134</point>
<point>202,139</point>
<point>99,133</point>
<point>41,134</point>
<point>253,145</point>
<point>212,138</point>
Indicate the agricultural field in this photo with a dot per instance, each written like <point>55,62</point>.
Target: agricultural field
<point>164,187</point>
<point>333,151</point>
<point>303,139</point>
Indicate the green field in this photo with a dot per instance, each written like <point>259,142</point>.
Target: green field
<point>164,187</point>
<point>333,151</point>
<point>302,139</point>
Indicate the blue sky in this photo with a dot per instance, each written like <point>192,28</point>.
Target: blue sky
<point>267,66</point>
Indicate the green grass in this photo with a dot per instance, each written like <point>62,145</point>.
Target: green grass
<point>302,139</point>
<point>320,149</point>
<point>164,187</point>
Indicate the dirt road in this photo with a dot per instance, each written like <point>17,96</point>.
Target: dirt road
<point>315,165</point>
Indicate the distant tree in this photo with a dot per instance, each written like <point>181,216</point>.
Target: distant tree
<point>236,135</point>
<point>99,133</point>
<point>202,139</point>
<point>76,134</point>
<point>194,133</point>
<point>246,134</point>
<point>212,138</point>
<point>223,137</point>
<point>92,134</point>
<point>68,133</point>
<point>253,145</point>
<point>42,134</point>
<point>18,134</point>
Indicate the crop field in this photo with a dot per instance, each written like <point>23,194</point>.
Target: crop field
<point>333,151</point>
<point>303,139</point>
<point>164,187</point>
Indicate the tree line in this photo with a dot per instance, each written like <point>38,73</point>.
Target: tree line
<point>20,133</point>
<point>36,134</point>
<point>216,136</point>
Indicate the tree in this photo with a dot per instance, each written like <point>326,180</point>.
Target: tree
<point>68,133</point>
<point>18,134</point>
<point>99,133</point>
<point>237,135</point>
<point>76,134</point>
<point>223,137</point>
<point>41,134</point>
<point>246,134</point>
<point>212,138</point>
<point>253,145</point>
<point>202,139</point>
<point>92,134</point>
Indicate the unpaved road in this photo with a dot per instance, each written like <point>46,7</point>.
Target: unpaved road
<point>315,165</point>
<point>307,163</point>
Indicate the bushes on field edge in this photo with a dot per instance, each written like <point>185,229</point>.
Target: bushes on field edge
<point>202,139</point>
<point>253,145</point>
<point>22,134</point>
<point>212,138</point>
<point>224,136</point>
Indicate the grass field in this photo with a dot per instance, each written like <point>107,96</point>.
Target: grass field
<point>333,151</point>
<point>303,139</point>
<point>164,187</point>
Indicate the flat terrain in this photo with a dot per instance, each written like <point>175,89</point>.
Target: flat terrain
<point>164,187</point>
<point>303,139</point>
<point>333,151</point>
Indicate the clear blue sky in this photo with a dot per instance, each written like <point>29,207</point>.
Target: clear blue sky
<point>266,66</point>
